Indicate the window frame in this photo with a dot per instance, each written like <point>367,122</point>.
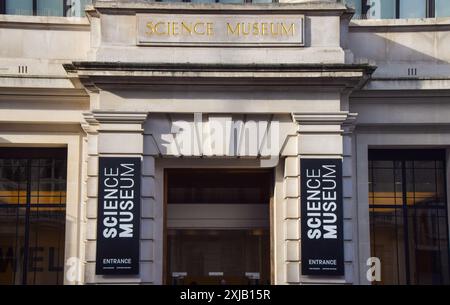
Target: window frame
<point>29,154</point>
<point>65,8</point>
<point>429,13</point>
<point>404,155</point>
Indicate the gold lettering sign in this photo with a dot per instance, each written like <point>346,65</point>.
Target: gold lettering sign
<point>168,29</point>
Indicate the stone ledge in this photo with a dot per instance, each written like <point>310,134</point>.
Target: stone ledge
<point>44,22</point>
<point>392,24</point>
<point>105,5</point>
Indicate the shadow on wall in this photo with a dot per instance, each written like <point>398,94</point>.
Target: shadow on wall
<point>424,46</point>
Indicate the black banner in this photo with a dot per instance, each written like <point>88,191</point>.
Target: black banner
<point>322,217</point>
<point>119,195</point>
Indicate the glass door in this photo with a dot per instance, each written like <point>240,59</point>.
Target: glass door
<point>218,228</point>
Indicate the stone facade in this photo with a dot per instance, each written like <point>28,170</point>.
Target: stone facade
<point>84,83</point>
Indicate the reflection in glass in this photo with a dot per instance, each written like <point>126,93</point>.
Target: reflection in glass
<point>32,216</point>
<point>442,8</point>
<point>12,237</point>
<point>46,246</point>
<point>19,7</point>
<point>73,8</point>
<point>231,1</point>
<point>206,186</point>
<point>387,243</point>
<point>233,252</point>
<point>50,8</point>
<point>413,8</point>
<point>425,248</point>
<point>381,9</point>
<point>408,224</point>
<point>12,181</point>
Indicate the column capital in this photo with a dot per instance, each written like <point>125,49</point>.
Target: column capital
<point>350,123</point>
<point>90,124</point>
<point>114,121</point>
<point>323,122</point>
<point>321,118</point>
<point>119,117</point>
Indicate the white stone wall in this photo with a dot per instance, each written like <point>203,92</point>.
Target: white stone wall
<point>33,49</point>
<point>411,54</point>
<point>406,103</point>
<point>116,40</point>
<point>119,134</point>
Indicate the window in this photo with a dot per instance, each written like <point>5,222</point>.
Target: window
<point>381,9</point>
<point>413,9</point>
<point>408,216</point>
<point>391,9</point>
<point>49,8</point>
<point>442,8</point>
<point>209,187</point>
<point>44,7</point>
<point>220,1</point>
<point>32,215</point>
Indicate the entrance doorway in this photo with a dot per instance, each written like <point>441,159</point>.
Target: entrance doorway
<point>218,226</point>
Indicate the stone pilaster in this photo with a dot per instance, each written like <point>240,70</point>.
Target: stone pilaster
<point>119,134</point>
<point>320,135</point>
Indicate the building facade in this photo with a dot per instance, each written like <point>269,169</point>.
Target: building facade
<point>180,143</point>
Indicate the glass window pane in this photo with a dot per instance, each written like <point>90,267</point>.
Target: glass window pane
<point>443,247</point>
<point>425,247</point>
<point>12,236</point>
<point>50,8</point>
<point>387,243</point>
<point>413,8</point>
<point>48,182</point>
<point>19,7</point>
<point>197,253</point>
<point>12,181</point>
<point>211,187</point>
<point>81,5</point>
<point>261,1</point>
<point>383,182</point>
<point>425,184</point>
<point>356,4</point>
<point>424,164</point>
<point>381,9</point>
<point>442,8</point>
<point>46,246</point>
<point>231,1</point>
<point>382,164</point>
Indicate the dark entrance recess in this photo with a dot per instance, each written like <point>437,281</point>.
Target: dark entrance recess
<point>408,215</point>
<point>218,228</point>
<point>32,215</point>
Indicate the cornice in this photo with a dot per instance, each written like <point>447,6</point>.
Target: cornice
<point>95,75</point>
<point>116,117</point>
<point>322,118</point>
